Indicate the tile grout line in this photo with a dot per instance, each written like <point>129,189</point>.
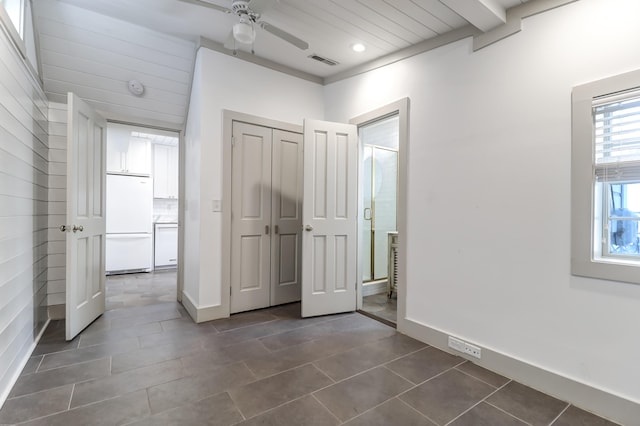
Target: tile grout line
<point>326,408</point>
<point>561,413</point>
<point>479,379</point>
<point>417,411</point>
<point>480,402</point>
<point>506,412</point>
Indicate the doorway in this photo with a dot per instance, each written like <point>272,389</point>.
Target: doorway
<point>383,139</point>
<point>142,207</point>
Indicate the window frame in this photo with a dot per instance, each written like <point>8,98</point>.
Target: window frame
<point>16,35</point>
<point>587,211</point>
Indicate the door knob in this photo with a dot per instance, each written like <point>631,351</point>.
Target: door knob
<point>63,228</point>
<point>308,228</point>
<point>77,228</point>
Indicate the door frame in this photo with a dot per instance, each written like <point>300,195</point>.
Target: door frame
<point>400,107</point>
<point>228,117</point>
<point>181,197</point>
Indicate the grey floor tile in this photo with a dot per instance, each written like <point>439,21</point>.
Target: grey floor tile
<point>424,364</point>
<point>256,397</point>
<point>122,383</point>
<point>32,406</point>
<point>144,318</point>
<point>358,394</point>
<point>381,306</point>
<point>528,404</point>
<point>392,412</point>
<point>177,336</point>
<point>55,345</point>
<point>60,376</point>
<point>75,356</point>
<point>32,365</point>
<point>484,414</point>
<point>243,319</point>
<point>148,356</point>
<point>574,416</point>
<point>116,411</point>
<point>208,360</point>
<point>445,397</point>
<point>217,410</point>
<point>286,359</point>
<point>349,363</point>
<point>193,388</point>
<point>108,336</point>
<point>304,411</point>
<point>483,374</point>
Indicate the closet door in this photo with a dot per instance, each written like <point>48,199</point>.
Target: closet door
<point>286,217</point>
<point>251,217</point>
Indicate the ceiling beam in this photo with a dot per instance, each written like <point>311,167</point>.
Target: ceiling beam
<point>482,14</point>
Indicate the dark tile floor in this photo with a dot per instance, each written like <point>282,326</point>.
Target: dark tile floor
<point>149,364</point>
<point>381,306</point>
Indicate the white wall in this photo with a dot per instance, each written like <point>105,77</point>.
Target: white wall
<point>56,244</point>
<point>488,253</point>
<point>223,82</point>
<point>24,150</point>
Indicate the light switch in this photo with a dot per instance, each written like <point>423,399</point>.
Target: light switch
<point>216,205</point>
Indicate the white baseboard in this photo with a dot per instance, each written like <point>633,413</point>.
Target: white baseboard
<point>4,393</point>
<point>205,313</point>
<point>584,396</point>
<point>376,287</point>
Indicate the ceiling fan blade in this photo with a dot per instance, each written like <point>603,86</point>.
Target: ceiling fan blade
<point>290,38</point>
<point>209,5</point>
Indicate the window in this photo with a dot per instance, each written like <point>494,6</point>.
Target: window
<point>14,9</point>
<point>606,179</point>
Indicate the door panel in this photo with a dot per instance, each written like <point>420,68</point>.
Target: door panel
<point>85,227</point>
<point>286,217</point>
<point>329,218</point>
<point>251,217</point>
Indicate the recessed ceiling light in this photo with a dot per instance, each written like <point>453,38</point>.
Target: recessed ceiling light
<point>358,47</point>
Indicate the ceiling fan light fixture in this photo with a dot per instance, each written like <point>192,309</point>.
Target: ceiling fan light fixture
<point>244,32</point>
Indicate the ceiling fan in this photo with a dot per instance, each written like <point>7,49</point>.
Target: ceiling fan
<point>249,12</point>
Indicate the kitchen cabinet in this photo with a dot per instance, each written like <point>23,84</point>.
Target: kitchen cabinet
<point>166,245</point>
<point>165,171</point>
<point>135,159</point>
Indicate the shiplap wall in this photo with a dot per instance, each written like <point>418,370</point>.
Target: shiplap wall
<point>56,246</point>
<point>95,56</point>
<point>24,155</point>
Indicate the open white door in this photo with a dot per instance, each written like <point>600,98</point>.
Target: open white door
<point>330,201</point>
<point>85,226</point>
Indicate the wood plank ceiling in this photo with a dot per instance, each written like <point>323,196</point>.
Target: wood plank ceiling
<point>91,46</point>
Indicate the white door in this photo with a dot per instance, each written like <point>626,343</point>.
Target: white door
<point>329,218</point>
<point>86,145</point>
<point>251,217</point>
<point>286,216</point>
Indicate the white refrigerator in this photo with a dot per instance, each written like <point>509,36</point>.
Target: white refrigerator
<point>129,240</point>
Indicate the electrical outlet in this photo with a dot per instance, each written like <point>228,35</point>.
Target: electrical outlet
<point>464,347</point>
<point>456,344</point>
<point>472,350</point>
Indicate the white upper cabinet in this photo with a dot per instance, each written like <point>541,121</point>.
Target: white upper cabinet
<point>165,171</point>
<point>128,155</point>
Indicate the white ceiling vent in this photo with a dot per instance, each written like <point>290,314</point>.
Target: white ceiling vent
<point>323,60</point>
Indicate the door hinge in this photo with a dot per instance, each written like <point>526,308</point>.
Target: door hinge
<point>233,141</point>
<point>230,290</point>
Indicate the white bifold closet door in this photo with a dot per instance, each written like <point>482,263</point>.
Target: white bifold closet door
<point>265,217</point>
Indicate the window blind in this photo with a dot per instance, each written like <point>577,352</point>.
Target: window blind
<point>616,127</point>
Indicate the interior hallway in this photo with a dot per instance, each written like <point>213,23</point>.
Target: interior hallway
<point>145,362</point>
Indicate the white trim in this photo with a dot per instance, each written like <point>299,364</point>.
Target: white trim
<point>583,237</point>
<point>402,108</point>
<point>228,117</point>
<point>4,393</point>
<point>590,398</point>
<point>376,287</point>
<point>203,313</point>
